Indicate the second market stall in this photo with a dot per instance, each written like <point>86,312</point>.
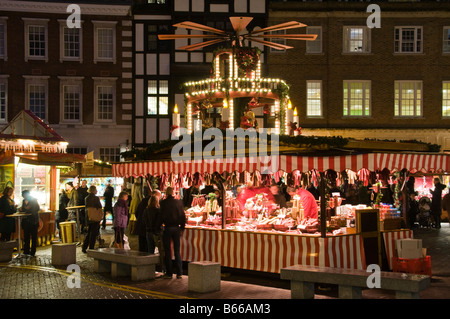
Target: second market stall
<point>270,249</point>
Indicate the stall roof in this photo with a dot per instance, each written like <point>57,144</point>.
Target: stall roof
<point>423,162</point>
<point>27,132</point>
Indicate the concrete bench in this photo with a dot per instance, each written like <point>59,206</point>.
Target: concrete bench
<point>351,282</point>
<point>124,262</point>
<point>204,276</point>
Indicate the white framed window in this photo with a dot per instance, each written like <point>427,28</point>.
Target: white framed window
<point>104,41</point>
<point>446,40</point>
<point>71,42</point>
<point>71,95</point>
<point>446,99</point>
<point>110,154</point>
<point>3,98</point>
<point>158,97</point>
<point>408,99</point>
<point>3,37</point>
<point>36,39</point>
<point>36,95</point>
<point>357,98</point>
<point>356,39</point>
<point>408,39</point>
<point>316,45</point>
<point>105,100</point>
<point>279,41</point>
<point>314,99</point>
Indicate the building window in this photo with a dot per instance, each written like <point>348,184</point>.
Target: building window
<point>71,99</point>
<point>36,40</point>
<point>105,99</point>
<point>71,42</point>
<point>153,43</point>
<point>356,98</point>
<point>36,43</point>
<point>77,150</point>
<point>279,41</point>
<point>110,154</point>
<point>356,40</point>
<point>408,98</point>
<point>314,98</point>
<point>104,41</point>
<point>158,97</point>
<point>408,40</point>
<point>36,95</point>
<point>316,45</point>
<point>72,102</point>
<point>3,99</point>
<point>37,98</point>
<point>446,40</point>
<point>3,51</point>
<point>446,99</point>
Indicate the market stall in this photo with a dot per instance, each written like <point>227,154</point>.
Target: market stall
<point>31,156</point>
<point>270,240</point>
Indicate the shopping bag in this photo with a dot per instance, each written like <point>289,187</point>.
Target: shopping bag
<point>126,244</point>
<point>95,214</point>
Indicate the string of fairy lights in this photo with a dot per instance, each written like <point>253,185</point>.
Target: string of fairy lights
<point>223,85</point>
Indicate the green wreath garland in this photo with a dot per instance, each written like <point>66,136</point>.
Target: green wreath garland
<point>247,58</point>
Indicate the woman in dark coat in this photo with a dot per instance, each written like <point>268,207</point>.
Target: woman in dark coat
<point>7,207</point>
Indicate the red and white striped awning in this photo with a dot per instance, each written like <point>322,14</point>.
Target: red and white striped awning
<point>432,163</point>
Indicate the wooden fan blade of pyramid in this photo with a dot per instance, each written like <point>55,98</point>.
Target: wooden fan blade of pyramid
<point>271,44</point>
<point>197,26</point>
<point>281,26</point>
<point>240,23</point>
<point>307,37</point>
<point>200,45</point>
<point>188,36</point>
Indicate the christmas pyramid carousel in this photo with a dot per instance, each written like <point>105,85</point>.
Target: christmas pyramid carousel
<point>236,89</point>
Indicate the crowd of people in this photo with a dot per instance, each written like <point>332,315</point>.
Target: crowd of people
<point>160,221</point>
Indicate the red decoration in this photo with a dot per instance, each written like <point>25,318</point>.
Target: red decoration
<point>293,128</point>
<point>173,128</point>
<point>224,125</point>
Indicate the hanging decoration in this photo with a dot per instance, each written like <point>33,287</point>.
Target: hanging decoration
<point>247,59</point>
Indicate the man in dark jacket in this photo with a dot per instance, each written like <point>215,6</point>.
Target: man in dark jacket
<point>436,201</point>
<point>30,224</point>
<point>174,220</point>
<point>82,194</point>
<point>108,196</point>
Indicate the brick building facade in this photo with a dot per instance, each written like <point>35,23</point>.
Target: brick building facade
<point>386,83</point>
<point>78,80</point>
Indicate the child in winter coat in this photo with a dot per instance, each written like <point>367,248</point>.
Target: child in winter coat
<point>120,212</point>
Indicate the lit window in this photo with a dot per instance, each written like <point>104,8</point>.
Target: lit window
<point>158,97</point>
<point>356,39</point>
<point>408,98</point>
<point>356,98</point>
<point>314,98</point>
<point>446,99</point>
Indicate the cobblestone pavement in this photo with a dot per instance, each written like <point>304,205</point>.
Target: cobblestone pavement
<point>36,278</point>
